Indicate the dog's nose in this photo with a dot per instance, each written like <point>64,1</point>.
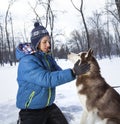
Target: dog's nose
<point>69,52</point>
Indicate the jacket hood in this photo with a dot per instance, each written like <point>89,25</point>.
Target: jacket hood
<point>24,49</point>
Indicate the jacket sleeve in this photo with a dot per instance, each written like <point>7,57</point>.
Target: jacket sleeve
<point>31,71</point>
<point>56,65</point>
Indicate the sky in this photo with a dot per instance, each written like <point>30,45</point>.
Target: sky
<point>66,95</point>
<point>71,19</point>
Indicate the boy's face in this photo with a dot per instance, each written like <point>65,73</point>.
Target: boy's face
<point>44,44</point>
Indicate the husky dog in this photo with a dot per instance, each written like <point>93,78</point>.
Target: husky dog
<point>100,102</point>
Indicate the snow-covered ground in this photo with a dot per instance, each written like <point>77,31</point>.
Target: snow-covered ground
<point>66,97</point>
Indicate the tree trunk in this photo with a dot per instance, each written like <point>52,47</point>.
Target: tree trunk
<point>118,7</point>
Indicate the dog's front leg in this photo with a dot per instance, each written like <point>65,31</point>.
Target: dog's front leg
<point>84,117</point>
<point>91,117</point>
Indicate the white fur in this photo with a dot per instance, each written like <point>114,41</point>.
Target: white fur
<point>93,118</point>
<point>82,98</point>
<point>84,117</point>
<point>73,57</point>
<point>86,55</point>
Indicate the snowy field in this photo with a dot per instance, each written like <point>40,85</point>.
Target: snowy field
<point>66,97</point>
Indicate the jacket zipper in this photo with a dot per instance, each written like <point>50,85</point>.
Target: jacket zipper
<point>27,104</point>
<point>49,89</point>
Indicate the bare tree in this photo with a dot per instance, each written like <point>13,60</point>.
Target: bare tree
<point>25,34</point>
<point>116,27</point>
<point>118,7</point>
<point>78,40</point>
<point>7,34</point>
<point>50,19</point>
<point>6,30</point>
<point>113,8</point>
<point>38,18</point>
<point>83,18</point>
<point>1,45</point>
<point>12,39</point>
<point>96,25</point>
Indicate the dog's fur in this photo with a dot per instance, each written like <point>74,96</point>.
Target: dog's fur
<point>101,103</point>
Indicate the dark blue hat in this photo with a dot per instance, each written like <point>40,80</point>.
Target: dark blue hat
<point>37,34</point>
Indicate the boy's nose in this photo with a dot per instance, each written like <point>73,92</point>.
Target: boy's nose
<point>48,43</point>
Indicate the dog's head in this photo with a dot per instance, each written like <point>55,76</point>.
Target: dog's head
<point>82,56</point>
<point>85,57</point>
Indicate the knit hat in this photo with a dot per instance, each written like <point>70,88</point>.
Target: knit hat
<point>37,34</point>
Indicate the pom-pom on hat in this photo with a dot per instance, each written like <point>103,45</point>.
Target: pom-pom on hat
<point>37,34</point>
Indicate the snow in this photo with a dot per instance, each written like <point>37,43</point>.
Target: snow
<point>66,97</point>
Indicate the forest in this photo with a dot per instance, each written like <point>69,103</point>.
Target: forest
<point>101,31</point>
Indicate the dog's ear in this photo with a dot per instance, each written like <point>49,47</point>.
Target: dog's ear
<point>89,53</point>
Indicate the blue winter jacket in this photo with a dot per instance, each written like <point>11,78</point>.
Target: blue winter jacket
<point>38,75</point>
